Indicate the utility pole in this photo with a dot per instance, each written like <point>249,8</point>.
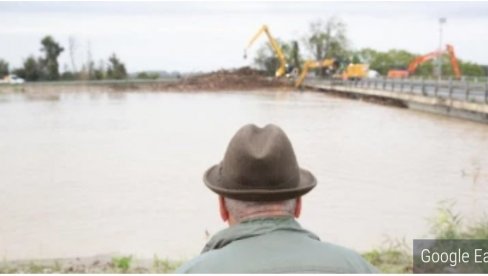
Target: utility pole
<point>442,21</point>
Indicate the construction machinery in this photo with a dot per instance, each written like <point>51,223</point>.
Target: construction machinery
<point>283,68</point>
<point>330,64</point>
<point>351,71</point>
<point>397,74</point>
<point>421,59</point>
<point>355,71</point>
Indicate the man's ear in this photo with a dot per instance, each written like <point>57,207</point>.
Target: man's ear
<point>224,213</point>
<point>298,207</point>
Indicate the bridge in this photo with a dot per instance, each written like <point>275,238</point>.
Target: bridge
<point>462,99</point>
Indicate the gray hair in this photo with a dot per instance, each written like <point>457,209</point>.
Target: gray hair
<point>241,210</point>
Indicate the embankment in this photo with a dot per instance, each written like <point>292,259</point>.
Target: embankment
<point>241,79</point>
<point>464,109</point>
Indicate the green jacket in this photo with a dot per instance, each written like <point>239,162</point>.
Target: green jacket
<point>273,245</point>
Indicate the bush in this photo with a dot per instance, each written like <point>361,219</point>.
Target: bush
<point>122,263</point>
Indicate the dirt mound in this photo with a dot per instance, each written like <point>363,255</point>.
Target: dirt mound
<point>244,78</point>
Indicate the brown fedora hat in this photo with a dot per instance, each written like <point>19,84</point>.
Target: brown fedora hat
<point>259,165</point>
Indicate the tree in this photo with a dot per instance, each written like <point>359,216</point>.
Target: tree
<point>116,69</point>
<point>266,57</point>
<point>51,50</point>
<point>99,72</point>
<point>327,39</point>
<point>400,59</point>
<point>470,69</point>
<point>67,75</point>
<point>295,58</point>
<point>384,61</point>
<point>72,53</point>
<point>31,70</point>
<point>147,75</point>
<point>89,67</point>
<point>266,60</point>
<point>3,68</point>
<point>485,69</point>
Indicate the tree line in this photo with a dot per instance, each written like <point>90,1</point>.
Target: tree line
<point>323,39</point>
<point>46,66</point>
<point>328,39</point>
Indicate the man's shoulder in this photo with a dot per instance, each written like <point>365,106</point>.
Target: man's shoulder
<point>346,257</point>
<point>332,256</point>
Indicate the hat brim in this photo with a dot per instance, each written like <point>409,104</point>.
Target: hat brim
<point>212,180</point>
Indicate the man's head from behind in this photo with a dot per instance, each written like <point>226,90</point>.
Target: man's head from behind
<point>259,176</point>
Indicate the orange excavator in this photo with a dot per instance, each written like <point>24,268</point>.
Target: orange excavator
<point>421,59</point>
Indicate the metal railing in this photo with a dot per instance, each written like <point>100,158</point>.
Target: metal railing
<point>447,89</point>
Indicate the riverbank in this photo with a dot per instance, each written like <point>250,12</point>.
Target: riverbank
<point>394,256</point>
<point>241,79</point>
<point>464,104</point>
<point>95,264</point>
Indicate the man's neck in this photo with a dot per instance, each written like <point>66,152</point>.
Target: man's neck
<point>258,215</point>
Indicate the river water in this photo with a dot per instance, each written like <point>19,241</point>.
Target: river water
<point>100,173</point>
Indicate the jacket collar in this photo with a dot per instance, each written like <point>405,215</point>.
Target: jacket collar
<point>253,228</point>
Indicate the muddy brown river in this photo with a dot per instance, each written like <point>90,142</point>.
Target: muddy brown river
<point>83,174</point>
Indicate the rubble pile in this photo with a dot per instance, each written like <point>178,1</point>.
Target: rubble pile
<point>244,78</point>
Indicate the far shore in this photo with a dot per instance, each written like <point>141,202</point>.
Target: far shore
<point>241,79</point>
<point>85,86</point>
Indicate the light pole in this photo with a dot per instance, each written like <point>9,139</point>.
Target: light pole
<point>442,21</point>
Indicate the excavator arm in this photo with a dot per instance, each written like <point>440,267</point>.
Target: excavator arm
<point>311,64</point>
<point>421,59</point>
<point>276,48</point>
<point>454,62</point>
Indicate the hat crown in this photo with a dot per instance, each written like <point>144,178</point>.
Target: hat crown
<point>260,158</point>
<point>259,165</point>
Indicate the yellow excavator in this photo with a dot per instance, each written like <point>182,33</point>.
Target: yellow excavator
<point>329,63</point>
<point>282,69</point>
<point>355,71</point>
<point>350,72</point>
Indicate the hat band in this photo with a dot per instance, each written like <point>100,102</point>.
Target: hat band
<point>228,183</point>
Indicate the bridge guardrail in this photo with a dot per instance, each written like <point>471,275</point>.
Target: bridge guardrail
<point>447,89</point>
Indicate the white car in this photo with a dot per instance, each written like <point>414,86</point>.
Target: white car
<point>372,74</point>
<point>12,79</point>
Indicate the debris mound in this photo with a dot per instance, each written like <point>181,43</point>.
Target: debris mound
<point>244,78</point>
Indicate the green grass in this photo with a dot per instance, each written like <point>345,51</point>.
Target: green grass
<point>396,257</point>
<point>392,257</point>
<point>118,264</point>
<point>450,225</point>
<point>165,265</point>
<point>31,268</point>
<point>122,264</point>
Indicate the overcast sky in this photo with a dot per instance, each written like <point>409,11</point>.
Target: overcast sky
<point>192,36</point>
